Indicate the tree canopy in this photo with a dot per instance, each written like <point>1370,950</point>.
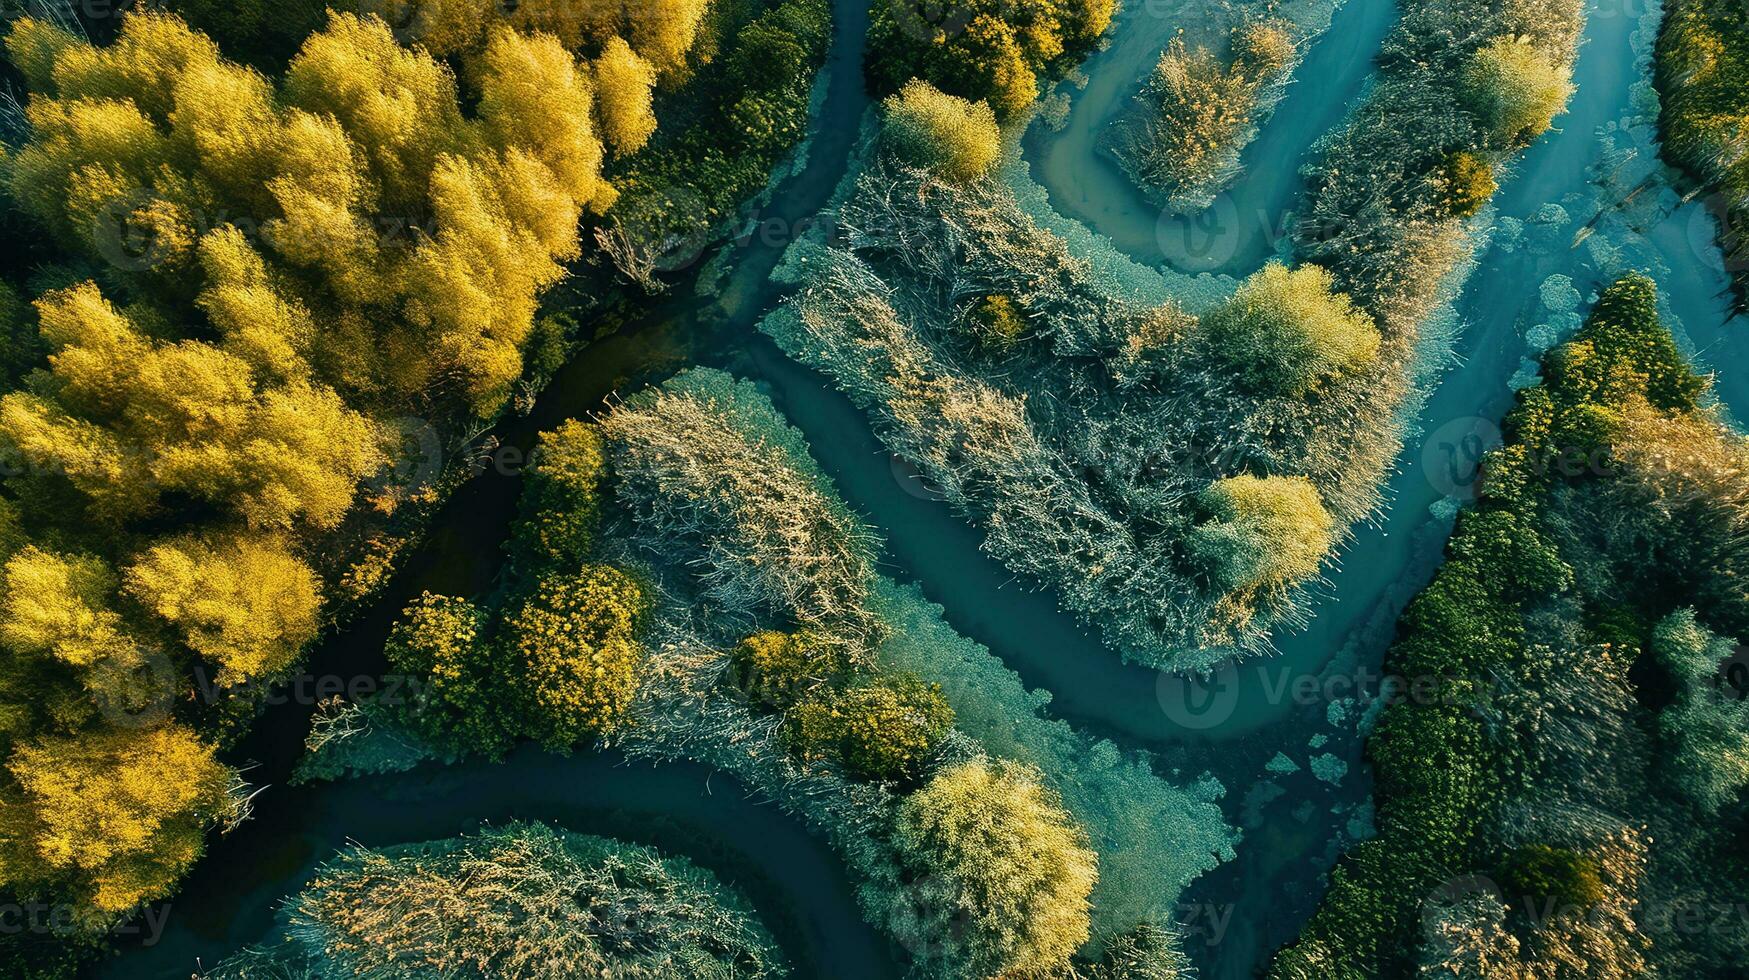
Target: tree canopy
<point>1262,532</point>
<point>1285,330</point>
<point>956,138</point>
<point>1516,88</point>
<point>983,51</point>
<point>257,278</point>
<point>1005,866</point>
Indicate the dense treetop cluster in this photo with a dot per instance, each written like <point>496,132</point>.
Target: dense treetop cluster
<point>251,272</point>
<point>1574,785</point>
<point>1702,71</point>
<point>985,50</point>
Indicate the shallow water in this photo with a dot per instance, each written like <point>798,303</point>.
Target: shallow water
<point>1245,225</point>
<point>1228,725</point>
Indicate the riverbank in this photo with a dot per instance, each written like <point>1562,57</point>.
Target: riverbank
<point>1386,562</point>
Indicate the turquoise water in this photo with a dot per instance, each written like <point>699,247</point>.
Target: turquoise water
<point>1244,226</point>
<point>1229,725</point>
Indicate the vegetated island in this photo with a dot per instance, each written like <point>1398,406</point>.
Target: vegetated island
<point>688,585</point>
<point>1177,476</point>
<point>1181,138</point>
<point>1560,776</point>
<point>522,900</point>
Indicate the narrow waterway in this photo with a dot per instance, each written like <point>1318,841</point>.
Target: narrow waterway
<point>794,880</point>
<point>792,877</point>
<point>1245,224</point>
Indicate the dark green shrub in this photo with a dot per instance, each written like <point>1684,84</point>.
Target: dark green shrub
<point>1537,878</point>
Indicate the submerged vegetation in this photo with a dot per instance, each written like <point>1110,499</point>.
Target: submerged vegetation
<point>1092,435</point>
<point>1703,83</point>
<point>522,900</point>
<point>1568,782</point>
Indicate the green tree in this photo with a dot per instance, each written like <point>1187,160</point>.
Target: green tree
<point>576,651</point>
<point>1284,331</point>
<point>1536,875</point>
<point>21,347</point>
<point>1006,872</point>
<point>955,138</point>
<point>561,501</point>
<point>1706,728</point>
<point>1262,532</point>
<point>463,701</point>
<point>883,728</point>
<point>777,669</point>
<point>1516,89</point>
<point>985,51</point>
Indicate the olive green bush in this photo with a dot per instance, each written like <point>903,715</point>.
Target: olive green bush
<point>951,136</point>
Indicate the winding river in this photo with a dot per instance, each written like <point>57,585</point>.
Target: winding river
<point>793,878</point>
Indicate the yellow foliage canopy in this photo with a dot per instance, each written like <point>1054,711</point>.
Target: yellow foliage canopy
<point>122,813</point>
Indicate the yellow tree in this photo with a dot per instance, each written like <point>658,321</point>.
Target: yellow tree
<point>623,104</point>
<point>116,817</point>
<point>244,603</point>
